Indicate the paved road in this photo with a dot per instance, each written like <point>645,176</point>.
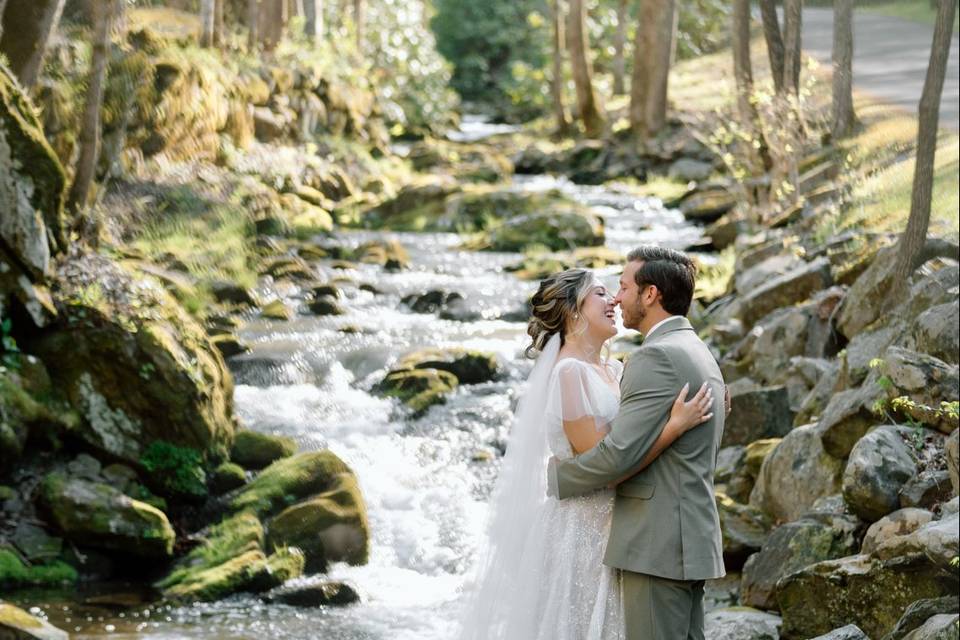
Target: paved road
<point>890,58</point>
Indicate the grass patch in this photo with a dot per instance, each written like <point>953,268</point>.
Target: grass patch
<point>913,10</point>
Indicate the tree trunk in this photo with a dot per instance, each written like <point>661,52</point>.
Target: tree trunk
<point>313,25</point>
<point>587,101</point>
<point>743,74</point>
<point>89,141</point>
<point>207,22</point>
<point>792,24</point>
<point>771,34</point>
<point>619,44</point>
<point>273,19</point>
<point>915,236</point>
<point>843,116</point>
<point>651,67</point>
<point>218,25</point>
<point>253,24</point>
<point>3,3</point>
<point>556,81</point>
<point>359,21</point>
<point>28,25</point>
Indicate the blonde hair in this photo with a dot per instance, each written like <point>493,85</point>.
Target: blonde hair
<point>558,298</point>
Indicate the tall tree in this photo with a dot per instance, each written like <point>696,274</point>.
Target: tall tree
<point>914,238</point>
<point>588,104</point>
<point>651,67</point>
<point>218,23</point>
<point>556,80</point>
<point>253,24</point>
<point>619,45</point>
<point>27,27</point>
<point>3,3</point>
<point>89,142</point>
<point>359,21</point>
<point>743,75</point>
<point>208,22</point>
<point>313,19</point>
<point>774,40</point>
<point>273,22</point>
<point>843,116</point>
<point>792,27</point>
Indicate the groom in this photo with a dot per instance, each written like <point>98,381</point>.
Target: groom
<point>665,534</point>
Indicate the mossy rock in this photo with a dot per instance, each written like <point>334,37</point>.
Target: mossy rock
<point>175,472</point>
<point>277,310</point>
<point>419,389</point>
<point>470,367</point>
<point>14,574</point>
<point>554,229</point>
<point>20,410</point>
<point>17,624</point>
<point>126,350</point>
<point>537,265</point>
<point>329,527</point>
<point>227,477</point>
<point>289,480</point>
<point>389,254</point>
<point>97,515</point>
<point>255,450</point>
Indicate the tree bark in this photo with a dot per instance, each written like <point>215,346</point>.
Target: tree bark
<point>587,101</point>
<point>207,22</point>
<point>273,20</point>
<point>313,25</point>
<point>651,67</point>
<point>792,24</point>
<point>89,142</point>
<point>774,40</point>
<point>253,24</point>
<point>3,3</point>
<point>743,74</point>
<point>843,116</point>
<point>28,25</point>
<point>556,81</point>
<point>619,44</point>
<point>218,24</point>
<point>915,236</point>
<point>359,21</point>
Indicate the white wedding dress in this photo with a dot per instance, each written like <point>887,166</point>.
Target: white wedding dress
<point>542,576</point>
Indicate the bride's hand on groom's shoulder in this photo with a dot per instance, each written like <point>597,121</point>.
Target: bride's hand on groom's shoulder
<point>687,414</point>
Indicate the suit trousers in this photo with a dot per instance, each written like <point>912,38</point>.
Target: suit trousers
<point>662,609</point>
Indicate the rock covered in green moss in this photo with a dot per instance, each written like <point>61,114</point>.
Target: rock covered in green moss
<point>470,367</point>
<point>100,516</point>
<point>329,527</point>
<point>276,310</point>
<point>17,624</point>
<point>19,410</point>
<point>255,450</point>
<point>227,477</point>
<point>175,472</point>
<point>134,364</point>
<point>419,389</point>
<point>14,574</point>
<point>289,480</point>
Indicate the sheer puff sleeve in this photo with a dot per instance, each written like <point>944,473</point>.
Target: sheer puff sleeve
<point>573,393</point>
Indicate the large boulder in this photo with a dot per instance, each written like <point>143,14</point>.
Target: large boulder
<point>788,289</point>
<point>938,541</point>
<point>927,489</point>
<point>741,623</point>
<point>863,590</point>
<point>125,348</point>
<point>744,478</point>
<point>17,624</point>
<point>791,547</point>
<point>899,523</point>
<point>919,612</point>
<point>255,450</point>
<point>936,331</point>
<point>847,417</point>
<point>878,467</point>
<point>756,414</point>
<point>744,529</point>
<point>795,474</point>
<point>290,480</point>
<point>418,389</point>
<point>849,632</point>
<point>98,515</point>
<point>470,367</point>
<point>942,626</point>
<point>329,527</point>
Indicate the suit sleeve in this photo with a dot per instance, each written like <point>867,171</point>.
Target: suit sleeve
<point>647,391</point>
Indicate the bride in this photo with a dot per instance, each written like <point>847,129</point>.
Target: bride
<point>542,575</point>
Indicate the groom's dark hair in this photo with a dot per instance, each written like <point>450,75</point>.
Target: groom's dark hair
<point>671,272</point>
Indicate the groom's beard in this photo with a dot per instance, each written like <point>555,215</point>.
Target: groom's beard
<point>635,317</point>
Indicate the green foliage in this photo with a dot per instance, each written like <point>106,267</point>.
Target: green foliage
<point>176,471</point>
<point>15,574</point>
<point>703,27</point>
<point>8,345</point>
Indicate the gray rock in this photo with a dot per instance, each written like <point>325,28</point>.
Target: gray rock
<point>317,594</point>
<point>938,627</point>
<point>849,632</point>
<point>795,475</point>
<point>744,530</point>
<point>936,331</point>
<point>921,611</point>
<point>880,464</point>
<point>783,291</point>
<point>938,541</point>
<point>926,379</point>
<point>741,623</point>
<point>226,291</point>
<point>749,279</point>
<point>867,346</point>
<point>762,413</point>
<point>927,489</point>
<point>950,508</point>
<point>85,466</point>
<point>728,460</point>
<point>898,523</point>
<point>847,418</point>
<point>745,477</point>
<point>867,296</point>
<point>792,547</point>
<point>687,170</point>
<point>814,403</point>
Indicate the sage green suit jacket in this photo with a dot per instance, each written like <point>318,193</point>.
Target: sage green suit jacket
<point>665,520</point>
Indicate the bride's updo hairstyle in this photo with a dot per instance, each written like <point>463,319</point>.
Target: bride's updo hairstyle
<point>558,299</point>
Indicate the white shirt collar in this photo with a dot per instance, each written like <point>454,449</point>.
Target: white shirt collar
<point>657,326</point>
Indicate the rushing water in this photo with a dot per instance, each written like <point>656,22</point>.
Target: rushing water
<point>426,481</point>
